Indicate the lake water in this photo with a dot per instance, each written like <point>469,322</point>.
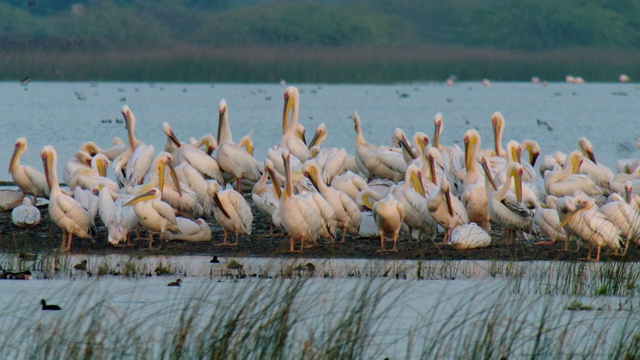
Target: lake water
<point>67,114</point>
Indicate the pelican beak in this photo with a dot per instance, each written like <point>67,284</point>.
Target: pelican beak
<point>416,180</point>
<point>303,137</point>
<point>274,181</point>
<point>487,171</point>
<point>533,157</point>
<point>102,171</point>
<point>436,135</point>
<point>367,202</point>
<point>249,146</point>
<point>517,176</point>
<point>216,199</point>
<point>46,162</point>
<point>149,195</point>
<point>316,136</point>
<point>591,156</point>
<point>288,188</point>
<point>311,174</point>
<point>14,156</point>
<point>432,170</point>
<point>494,123</point>
<point>406,147</point>
<point>221,114</point>
<point>285,112</point>
<point>447,195</point>
<point>468,147</point>
<point>174,139</point>
<point>174,177</point>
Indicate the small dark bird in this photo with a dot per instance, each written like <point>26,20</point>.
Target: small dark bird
<point>25,80</point>
<point>214,260</point>
<point>175,283</point>
<point>49,307</point>
<point>81,266</point>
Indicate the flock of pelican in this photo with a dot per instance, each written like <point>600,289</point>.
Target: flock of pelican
<point>311,193</point>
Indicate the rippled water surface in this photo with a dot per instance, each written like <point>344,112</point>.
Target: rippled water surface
<point>67,114</point>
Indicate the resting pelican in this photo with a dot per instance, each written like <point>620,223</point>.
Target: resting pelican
<point>389,216</point>
<point>565,182</point>
<point>299,219</point>
<point>347,214</point>
<point>624,216</point>
<point>29,180</point>
<point>364,150</point>
<point>232,212</point>
<point>194,156</point>
<point>64,211</point>
<point>446,210</point>
<point>319,136</point>
<point>452,155</point>
<point>507,209</point>
<point>118,148</point>
<point>399,139</point>
<point>132,165</point>
<point>474,191</point>
<point>289,139</point>
<point>547,218</point>
<point>232,158</point>
<point>552,162</point>
<point>154,214</point>
<point>81,160</point>
<point>192,231</point>
<point>349,183</point>
<point>591,226</point>
<point>118,219</point>
<point>331,161</point>
<point>469,236</point>
<point>600,174</point>
<point>88,179</point>
<point>10,198</point>
<point>266,197</point>
<point>26,215</point>
<point>497,123</point>
<point>411,195</point>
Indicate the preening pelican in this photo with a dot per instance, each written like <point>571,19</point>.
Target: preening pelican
<point>507,209</point>
<point>29,180</point>
<point>349,183</point>
<point>299,219</point>
<point>624,216</point>
<point>547,218</point>
<point>10,198</point>
<point>233,158</point>
<point>364,150</point>
<point>232,212</point>
<point>289,139</point>
<point>81,160</point>
<point>497,122</point>
<point>600,174</point>
<point>132,165</point>
<point>411,195</point>
<point>469,236</point>
<point>111,153</point>
<point>347,214</point>
<point>565,182</point>
<point>331,161</point>
<point>446,209</point>
<point>89,178</point>
<point>389,216</point>
<point>118,219</point>
<point>154,214</point>
<point>192,231</point>
<point>64,211</point>
<point>26,215</point>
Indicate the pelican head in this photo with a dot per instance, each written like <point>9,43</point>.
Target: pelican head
<point>533,148</point>
<point>497,122</point>
<point>101,163</point>
<point>166,128</point>
<point>212,189</point>
<point>487,170</point>
<point>437,122</point>
<point>357,125</point>
<point>514,151</point>
<point>414,175</point>
<point>247,143</point>
<point>586,148</point>
<point>153,194</point>
<point>268,164</point>
<point>312,171</point>
<point>471,143</point>
<point>432,153</point>
<point>574,159</point>
<point>421,140</point>
<point>514,170</point>
<point>319,136</point>
<point>209,142</point>
<point>91,148</point>
<point>291,97</point>
<point>399,138</point>
<point>49,161</point>
<point>19,148</point>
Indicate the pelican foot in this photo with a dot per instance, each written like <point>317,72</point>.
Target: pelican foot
<point>545,243</point>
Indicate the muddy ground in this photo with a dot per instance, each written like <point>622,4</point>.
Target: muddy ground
<point>47,237</point>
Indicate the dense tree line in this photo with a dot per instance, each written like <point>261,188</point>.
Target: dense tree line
<point>497,24</point>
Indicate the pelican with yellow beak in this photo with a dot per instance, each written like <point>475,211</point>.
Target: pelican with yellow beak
<point>154,214</point>
<point>29,180</point>
<point>132,165</point>
<point>289,139</point>
<point>64,211</point>
<point>232,212</point>
<point>446,210</point>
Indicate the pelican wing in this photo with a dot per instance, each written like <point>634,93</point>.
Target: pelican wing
<point>516,207</point>
<point>139,163</point>
<point>165,210</point>
<point>202,162</point>
<point>37,178</point>
<point>243,209</point>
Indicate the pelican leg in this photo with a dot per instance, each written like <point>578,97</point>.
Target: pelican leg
<point>291,248</point>
<point>344,235</point>
<point>590,248</point>
<point>598,248</point>
<point>578,246</point>
<point>64,240</point>
<point>395,241</point>
<point>138,237</point>
<point>68,248</point>
<point>239,185</point>
<point>381,241</point>
<point>224,241</point>
<point>235,243</point>
<point>301,244</point>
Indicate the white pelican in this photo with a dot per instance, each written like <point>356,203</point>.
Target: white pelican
<point>29,180</point>
<point>26,215</point>
<point>399,139</point>
<point>389,216</point>
<point>446,210</point>
<point>194,156</point>
<point>119,220</point>
<point>411,195</point>
<point>87,199</point>
<point>349,183</point>
<point>533,149</point>
<point>600,174</point>
<point>132,165</point>
<point>154,214</point>
<point>299,219</point>
<point>452,155</point>
<point>624,216</point>
<point>319,136</point>
<point>192,231</point>
<point>88,179</point>
<point>469,236</point>
<point>552,162</point>
<point>507,209</point>
<point>474,192</point>
<point>266,197</point>
<point>363,148</point>
<point>64,211</point>
<point>386,163</point>
<point>232,212</point>
<point>591,226</point>
<point>81,160</point>
<point>331,161</point>
<point>111,153</point>
<point>565,182</point>
<point>289,139</point>
<point>347,213</point>
<point>232,158</point>
<point>547,218</point>
<point>497,122</point>
<point>10,198</point>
